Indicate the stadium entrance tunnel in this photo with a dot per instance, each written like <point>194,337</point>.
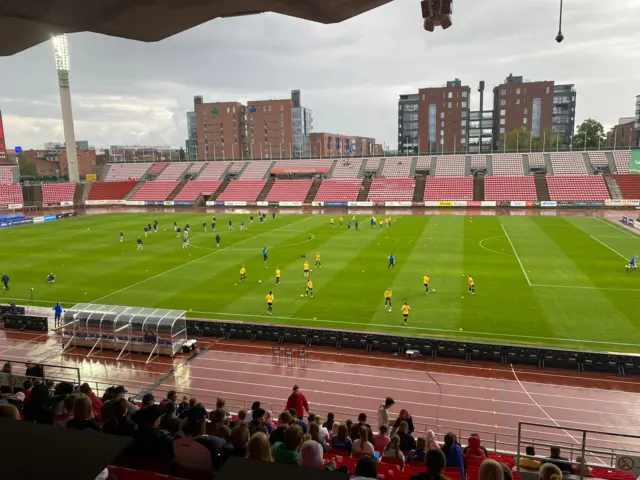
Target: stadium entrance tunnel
<point>415,347</point>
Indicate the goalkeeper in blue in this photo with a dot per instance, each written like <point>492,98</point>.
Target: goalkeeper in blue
<point>632,264</point>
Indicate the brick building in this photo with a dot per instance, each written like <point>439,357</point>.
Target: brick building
<point>221,128</point>
<point>270,131</point>
<point>443,116</point>
<point>53,163</point>
<point>326,145</point>
<point>519,103</point>
<point>623,134</point>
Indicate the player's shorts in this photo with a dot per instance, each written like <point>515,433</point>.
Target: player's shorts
<point>317,262</point>
<point>387,300</point>
<point>310,290</point>
<point>472,285</point>
<point>426,285</point>
<point>264,257</point>
<point>269,303</point>
<point>306,270</point>
<point>405,315</point>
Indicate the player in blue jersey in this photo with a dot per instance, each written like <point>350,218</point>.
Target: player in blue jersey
<point>178,232</point>
<point>155,226</point>
<point>632,263</point>
<point>145,231</point>
<point>51,278</point>
<point>357,224</point>
<point>264,255</point>
<point>241,225</point>
<point>185,242</point>
<point>121,236</point>
<point>204,226</point>
<point>392,262</point>
<point>139,241</point>
<point>348,224</point>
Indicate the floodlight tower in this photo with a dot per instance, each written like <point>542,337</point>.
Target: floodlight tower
<point>61,54</point>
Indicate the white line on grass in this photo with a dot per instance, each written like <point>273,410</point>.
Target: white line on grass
<point>491,250</point>
<point>192,261</point>
<point>607,246</point>
<point>440,330</point>
<point>516,254</point>
<point>620,229</point>
<point>587,288</point>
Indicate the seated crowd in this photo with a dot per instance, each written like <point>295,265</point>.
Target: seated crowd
<point>183,437</point>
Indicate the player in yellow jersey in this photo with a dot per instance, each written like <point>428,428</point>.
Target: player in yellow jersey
<point>380,223</point>
<point>353,219</point>
<point>425,281</point>
<point>389,221</point>
<point>243,274</point>
<point>309,290</point>
<point>405,309</point>
<point>374,222</point>
<point>318,263</point>
<point>386,221</point>
<point>331,223</point>
<point>387,298</point>
<point>305,268</point>
<point>277,275</point>
<point>269,299</point>
<point>472,285</point>
<point>340,219</point>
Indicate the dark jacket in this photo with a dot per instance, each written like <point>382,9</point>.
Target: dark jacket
<point>90,424</point>
<point>150,444</point>
<point>122,427</point>
<point>38,414</point>
<point>407,442</point>
<point>409,422</point>
<point>278,434</point>
<point>561,462</point>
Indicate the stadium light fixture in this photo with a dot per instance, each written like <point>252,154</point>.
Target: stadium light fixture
<point>61,52</point>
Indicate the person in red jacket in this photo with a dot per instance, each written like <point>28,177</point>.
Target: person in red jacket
<point>298,402</point>
<point>96,403</point>
<point>474,454</point>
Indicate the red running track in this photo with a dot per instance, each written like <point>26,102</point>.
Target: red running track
<point>483,398</point>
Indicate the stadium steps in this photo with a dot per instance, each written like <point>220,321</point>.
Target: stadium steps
<point>547,162</point>
<point>432,169</point>
<point>381,168</point>
<point>81,192</point>
<point>136,188</point>
<point>587,163</point>
<point>266,189</point>
<point>333,167</point>
<point>364,190</point>
<point>311,194</point>
<point>362,167</point>
<point>32,195</point>
<point>197,174</point>
<point>418,193</point>
<point>414,165</point>
<point>611,162</point>
<point>478,187</point>
<point>467,167</point>
<point>267,176</point>
<point>612,186</point>
<point>489,165</point>
<point>542,188</point>
<point>105,172</point>
<point>525,165</point>
<point>176,190</point>
<point>221,189</point>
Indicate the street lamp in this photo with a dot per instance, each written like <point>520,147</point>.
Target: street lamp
<point>61,55</point>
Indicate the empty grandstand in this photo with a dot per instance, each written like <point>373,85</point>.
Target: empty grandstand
<point>507,164</point>
<point>213,170</point>
<point>338,191</point>
<point>629,185</point>
<point>192,190</point>
<point>289,190</point>
<point>568,163</point>
<point>510,188</point>
<point>56,193</point>
<point>126,171</point>
<point>577,188</point>
<point>242,191</point>
<point>11,194</point>
<point>400,167</point>
<point>154,191</point>
<point>448,188</point>
<point>347,168</point>
<point>451,166</point>
<point>391,189</point>
<point>110,190</point>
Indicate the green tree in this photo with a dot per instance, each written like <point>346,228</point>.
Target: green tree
<point>592,131</point>
<point>26,169</point>
<point>521,140</point>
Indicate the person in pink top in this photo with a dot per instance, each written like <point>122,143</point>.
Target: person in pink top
<point>298,402</point>
<point>382,439</point>
<point>430,437</point>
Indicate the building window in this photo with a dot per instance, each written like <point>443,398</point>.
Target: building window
<point>441,113</point>
<point>503,92</point>
<point>432,126</point>
<point>502,121</point>
<point>503,102</point>
<point>463,104</point>
<point>463,123</point>
<point>524,121</point>
<point>503,112</point>
<point>526,111</point>
<point>424,96</point>
<point>463,140</point>
<point>536,113</point>
<point>502,130</point>
<point>463,131</point>
<point>517,91</point>
<point>227,109</point>
<point>464,94</point>
<point>517,101</point>
<point>282,108</point>
<point>450,95</point>
<point>442,124</point>
<point>464,113</point>
<point>448,104</point>
<point>547,90</point>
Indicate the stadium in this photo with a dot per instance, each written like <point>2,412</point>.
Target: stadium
<point>463,315</point>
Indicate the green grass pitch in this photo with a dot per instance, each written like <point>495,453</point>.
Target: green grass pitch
<point>556,281</point>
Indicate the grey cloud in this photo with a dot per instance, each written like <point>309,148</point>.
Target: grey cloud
<point>350,74</point>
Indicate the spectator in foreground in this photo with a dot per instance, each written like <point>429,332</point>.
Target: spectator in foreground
<point>367,467</point>
<point>323,433</point>
<point>418,456</point>
<point>36,409</point>
<point>192,402</point>
<point>550,471</point>
<point>432,444</point>
<point>490,470</point>
<point>435,463</point>
<point>382,439</point>
<point>583,469</point>
<point>362,443</point>
<point>300,423</point>
<point>83,414</point>
<point>249,417</point>
<point>61,419</point>
<point>120,424</point>
<point>334,430</point>
<point>342,441</point>
<point>192,448</point>
<point>554,458</point>
<point>331,418</point>
<point>120,392</point>
<point>9,412</point>
<point>529,461</point>
<point>383,412</point>
<point>403,416</point>
<point>268,423</point>
<point>453,453</point>
<point>508,474</point>
<point>217,426</point>
<point>172,396</point>
<point>259,448</point>
<point>237,446</point>
<point>96,403</point>
<point>149,442</point>
<point>284,420</point>
<point>168,416</point>
<point>474,453</point>
<point>393,449</point>
<point>60,392</point>
<point>148,399</point>
<point>464,450</point>
<point>407,442</point>
<point>314,432</point>
<point>298,402</point>
<point>287,451</point>
<point>242,416</point>
<point>310,455</point>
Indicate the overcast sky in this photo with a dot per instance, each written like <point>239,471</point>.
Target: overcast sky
<point>350,74</point>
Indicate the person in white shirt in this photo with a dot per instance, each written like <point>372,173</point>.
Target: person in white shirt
<point>362,444</point>
<point>323,432</point>
<point>383,412</point>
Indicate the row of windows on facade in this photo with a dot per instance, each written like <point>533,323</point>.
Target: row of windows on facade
<point>503,91</point>
<point>214,111</point>
<point>448,95</point>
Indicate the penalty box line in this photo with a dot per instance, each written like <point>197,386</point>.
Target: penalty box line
<point>516,254</point>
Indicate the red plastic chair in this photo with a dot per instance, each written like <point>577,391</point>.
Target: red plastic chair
<point>394,461</point>
<point>120,473</point>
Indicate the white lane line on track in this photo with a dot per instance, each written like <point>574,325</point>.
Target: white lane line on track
<point>24,343</point>
<point>194,261</point>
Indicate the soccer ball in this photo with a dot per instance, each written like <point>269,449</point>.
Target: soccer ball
<point>259,281</point>
<point>389,309</point>
<point>302,294</point>
<point>434,290</point>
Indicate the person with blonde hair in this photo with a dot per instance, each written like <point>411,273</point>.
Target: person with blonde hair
<point>393,449</point>
<point>323,432</point>
<point>82,413</point>
<point>259,448</point>
<point>490,470</point>
<point>549,471</point>
<point>334,429</point>
<point>362,444</point>
<point>8,411</point>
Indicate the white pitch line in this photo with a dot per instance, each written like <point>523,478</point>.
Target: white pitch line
<point>584,287</point>
<point>516,254</point>
<point>620,229</point>
<point>607,246</point>
<point>490,250</point>
<point>193,261</point>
